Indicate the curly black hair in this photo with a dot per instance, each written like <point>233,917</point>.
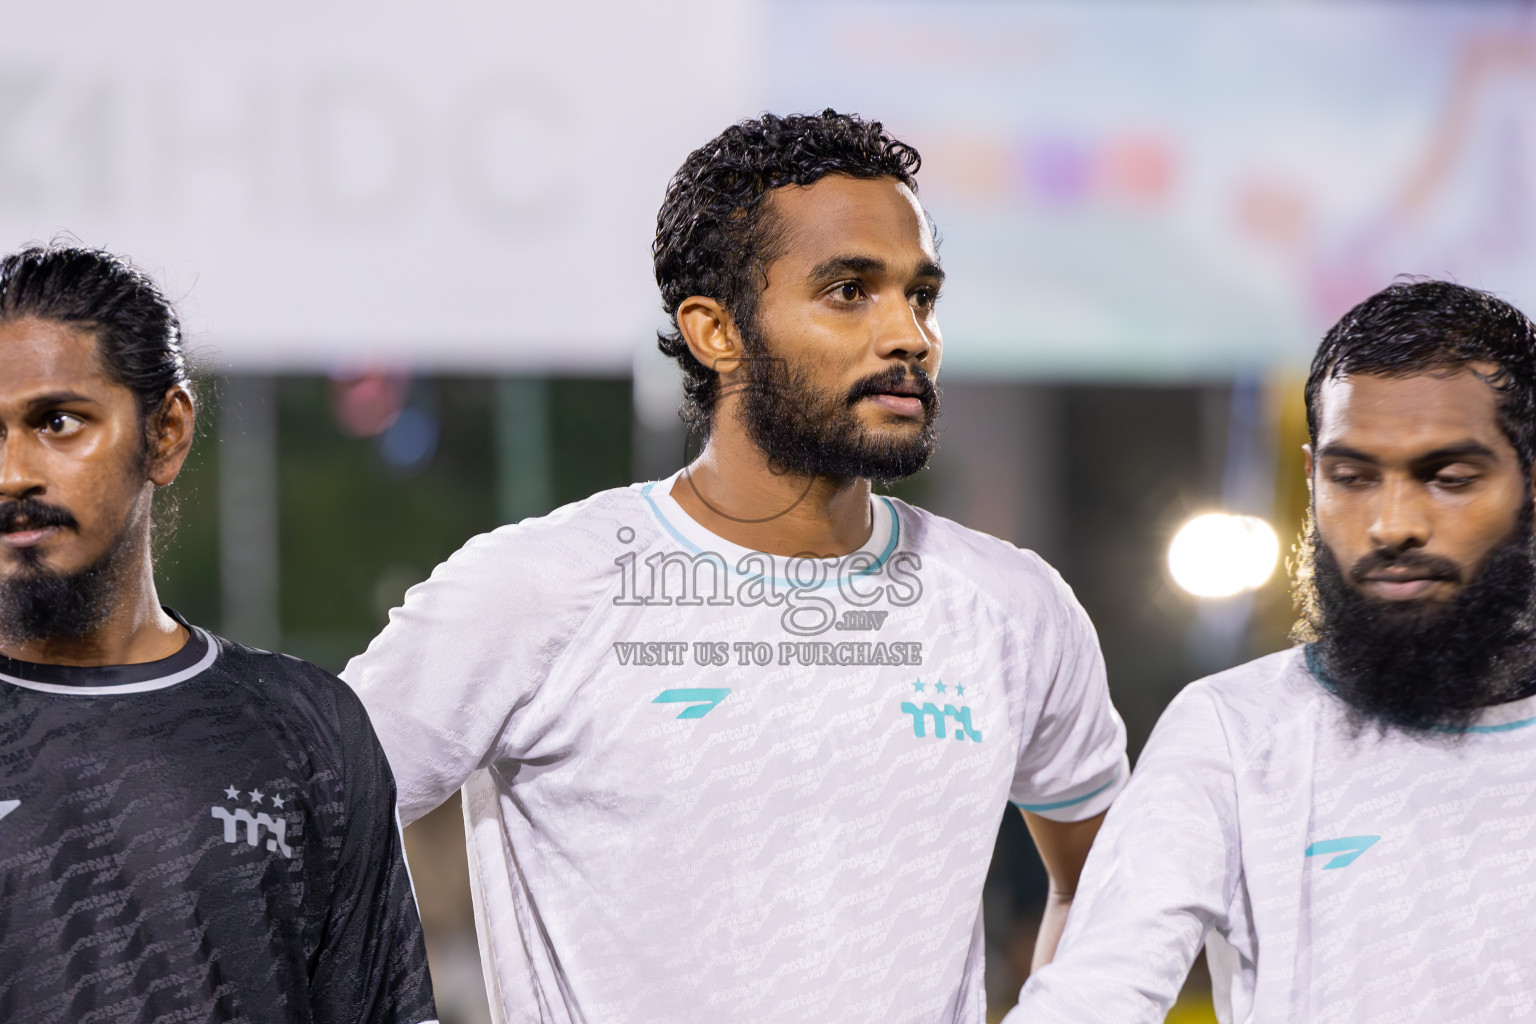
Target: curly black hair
<point>715,236</point>
<point>1427,326</point>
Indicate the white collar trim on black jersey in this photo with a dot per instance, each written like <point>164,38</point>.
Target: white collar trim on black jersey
<point>142,686</point>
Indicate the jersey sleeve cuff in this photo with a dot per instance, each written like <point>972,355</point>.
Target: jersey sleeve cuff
<point>1081,802</point>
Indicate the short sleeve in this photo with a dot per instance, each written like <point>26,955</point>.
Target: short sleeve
<point>371,964</point>
<point>1163,871</point>
<point>462,659</point>
<point>430,679</point>
<point>1072,762</point>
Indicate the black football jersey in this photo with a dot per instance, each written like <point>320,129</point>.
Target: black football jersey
<point>207,838</point>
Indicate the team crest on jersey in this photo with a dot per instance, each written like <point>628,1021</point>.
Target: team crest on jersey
<point>258,824</point>
<point>929,716</point>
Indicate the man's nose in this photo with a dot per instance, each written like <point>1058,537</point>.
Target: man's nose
<point>903,333</point>
<point>1401,520</point>
<point>20,471</point>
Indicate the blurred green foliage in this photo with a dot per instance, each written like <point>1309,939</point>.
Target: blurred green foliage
<point>589,426</point>
<point>354,533</point>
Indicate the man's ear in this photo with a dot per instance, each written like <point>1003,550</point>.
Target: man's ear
<point>170,436</point>
<point>711,334</point>
<point>1306,459</point>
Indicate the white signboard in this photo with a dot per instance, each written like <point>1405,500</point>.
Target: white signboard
<point>443,185</point>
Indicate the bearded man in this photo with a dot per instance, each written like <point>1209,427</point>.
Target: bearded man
<point>190,830</point>
<point>1346,824</point>
<point>737,742</point>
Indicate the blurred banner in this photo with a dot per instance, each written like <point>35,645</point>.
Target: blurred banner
<point>1172,189</point>
<point>1125,188</point>
<point>453,185</point>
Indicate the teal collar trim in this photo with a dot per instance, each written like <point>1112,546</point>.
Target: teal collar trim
<point>1502,726</point>
<point>1315,666</point>
<point>831,581</point>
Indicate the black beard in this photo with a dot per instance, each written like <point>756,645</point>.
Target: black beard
<point>39,603</point>
<point>1425,667</point>
<point>808,432</point>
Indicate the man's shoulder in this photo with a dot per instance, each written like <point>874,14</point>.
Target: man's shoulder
<point>268,670</point>
<point>526,582</point>
<point>1015,582</point>
<point>577,533</point>
<point>563,553</point>
<point>287,686</point>
<point>980,556</point>
<point>1258,702</point>
<point>1275,680</point>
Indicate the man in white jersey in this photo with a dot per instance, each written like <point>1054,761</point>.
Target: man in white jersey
<point>735,744</point>
<point>1347,825</point>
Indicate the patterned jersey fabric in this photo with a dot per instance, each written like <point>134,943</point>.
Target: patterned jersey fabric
<point>1336,875</point>
<point>207,838</point>
<point>708,784</point>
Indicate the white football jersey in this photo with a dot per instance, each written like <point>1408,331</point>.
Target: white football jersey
<point>1336,877</point>
<point>707,784</point>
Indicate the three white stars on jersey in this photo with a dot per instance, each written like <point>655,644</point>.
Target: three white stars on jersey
<point>256,796</point>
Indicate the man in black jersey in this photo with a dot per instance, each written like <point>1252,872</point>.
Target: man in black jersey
<point>190,830</point>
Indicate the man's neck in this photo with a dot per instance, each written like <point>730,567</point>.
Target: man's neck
<point>731,490</point>
<point>137,630</point>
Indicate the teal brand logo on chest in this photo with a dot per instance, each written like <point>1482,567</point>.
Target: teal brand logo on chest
<point>1348,849</point>
<point>703,700</point>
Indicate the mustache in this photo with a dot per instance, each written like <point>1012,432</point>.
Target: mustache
<point>1433,566</point>
<point>31,514</point>
<point>897,376</point>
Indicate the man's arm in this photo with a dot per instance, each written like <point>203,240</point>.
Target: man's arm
<point>1163,872</point>
<point>1072,762</point>
<point>1063,848</point>
<point>370,966</point>
<point>429,679</point>
<point>453,682</point>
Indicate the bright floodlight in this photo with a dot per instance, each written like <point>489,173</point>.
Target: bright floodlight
<point>1218,555</point>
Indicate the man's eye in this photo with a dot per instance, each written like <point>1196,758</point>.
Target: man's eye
<point>924,298</point>
<point>61,424</point>
<point>1454,480</point>
<point>848,291</point>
